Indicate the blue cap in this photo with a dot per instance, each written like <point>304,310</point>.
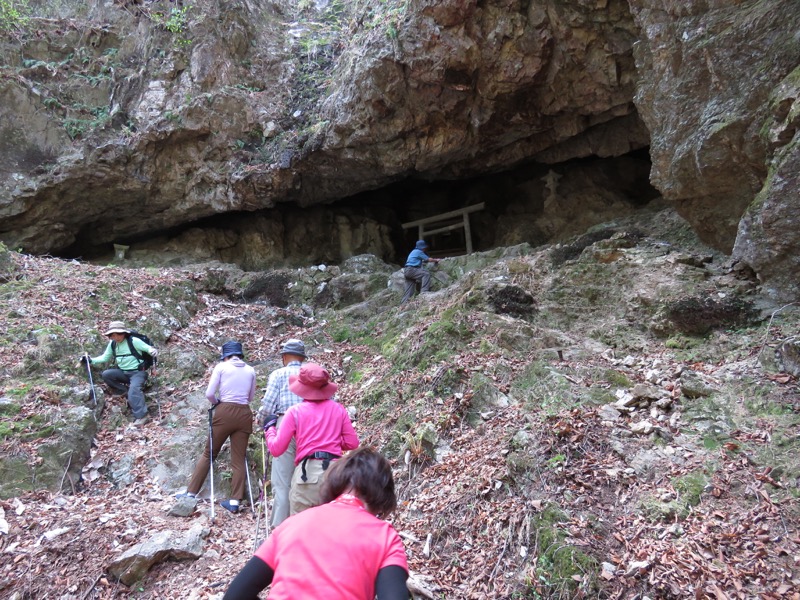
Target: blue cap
<point>421,245</point>
<point>231,349</point>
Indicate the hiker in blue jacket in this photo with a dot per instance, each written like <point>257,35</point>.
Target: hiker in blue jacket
<point>415,273</point>
<point>130,374</point>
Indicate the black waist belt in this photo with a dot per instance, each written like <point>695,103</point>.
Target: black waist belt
<point>319,455</point>
<point>325,457</point>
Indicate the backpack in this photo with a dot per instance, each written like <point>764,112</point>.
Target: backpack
<point>145,360</point>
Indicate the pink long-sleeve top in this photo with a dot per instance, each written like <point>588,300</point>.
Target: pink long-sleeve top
<point>316,426</point>
<point>235,381</point>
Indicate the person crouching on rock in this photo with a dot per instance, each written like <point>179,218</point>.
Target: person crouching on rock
<point>130,374</point>
<point>341,549</point>
<point>321,428</point>
<point>230,390</point>
<point>414,273</point>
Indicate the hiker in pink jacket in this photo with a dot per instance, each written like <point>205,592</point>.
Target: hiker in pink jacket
<point>321,428</point>
<point>342,549</point>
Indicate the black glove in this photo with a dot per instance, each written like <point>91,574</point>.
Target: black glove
<point>85,360</point>
<point>270,421</point>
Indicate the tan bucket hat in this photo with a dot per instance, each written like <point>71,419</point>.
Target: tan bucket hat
<point>116,327</point>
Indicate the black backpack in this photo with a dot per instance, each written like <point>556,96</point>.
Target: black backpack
<point>145,360</point>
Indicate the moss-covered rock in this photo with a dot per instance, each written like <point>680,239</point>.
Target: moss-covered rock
<point>560,566</point>
<point>8,407</point>
<point>702,313</point>
<point>68,453</point>
<point>8,268</point>
<point>58,461</point>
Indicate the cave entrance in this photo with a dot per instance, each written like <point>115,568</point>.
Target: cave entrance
<point>534,203</point>
<point>454,224</point>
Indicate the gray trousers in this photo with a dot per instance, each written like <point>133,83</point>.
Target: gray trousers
<point>281,480</point>
<point>131,382</point>
<point>413,276</point>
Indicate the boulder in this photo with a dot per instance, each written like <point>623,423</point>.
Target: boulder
<point>693,385</point>
<point>132,565</point>
<point>788,356</point>
<point>66,455</point>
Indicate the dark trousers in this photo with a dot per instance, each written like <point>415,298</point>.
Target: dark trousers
<point>132,383</point>
<point>415,275</point>
<point>233,421</point>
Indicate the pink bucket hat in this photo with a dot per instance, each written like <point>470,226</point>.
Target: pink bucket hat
<point>312,383</point>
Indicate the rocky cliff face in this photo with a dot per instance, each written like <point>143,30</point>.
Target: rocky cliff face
<point>126,121</point>
<point>718,82</point>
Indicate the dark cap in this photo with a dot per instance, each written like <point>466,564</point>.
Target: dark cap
<point>231,349</point>
<point>295,347</point>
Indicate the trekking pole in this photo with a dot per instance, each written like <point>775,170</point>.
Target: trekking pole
<point>258,524</point>
<point>211,456</point>
<point>91,381</point>
<point>263,505</point>
<point>156,387</point>
<point>249,487</point>
<point>264,466</point>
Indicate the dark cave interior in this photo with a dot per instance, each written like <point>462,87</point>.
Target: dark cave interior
<point>534,203</point>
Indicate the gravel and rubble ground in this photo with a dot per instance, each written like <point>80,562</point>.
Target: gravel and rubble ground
<point>504,498</point>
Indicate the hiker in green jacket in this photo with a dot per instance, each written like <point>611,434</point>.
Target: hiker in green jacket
<point>130,374</point>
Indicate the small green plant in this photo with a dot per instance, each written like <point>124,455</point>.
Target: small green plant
<point>14,15</point>
<point>176,21</point>
<point>79,126</point>
<point>172,116</point>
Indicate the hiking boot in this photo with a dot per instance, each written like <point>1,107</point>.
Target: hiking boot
<point>226,504</point>
<point>185,495</point>
<point>141,421</point>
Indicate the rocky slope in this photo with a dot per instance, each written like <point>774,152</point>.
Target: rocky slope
<point>614,417</point>
<point>124,121</point>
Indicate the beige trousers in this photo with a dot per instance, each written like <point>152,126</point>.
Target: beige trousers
<point>306,494</point>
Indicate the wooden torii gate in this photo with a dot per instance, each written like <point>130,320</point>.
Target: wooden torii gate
<point>444,222</point>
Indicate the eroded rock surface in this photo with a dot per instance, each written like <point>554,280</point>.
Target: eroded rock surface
<point>126,122</point>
